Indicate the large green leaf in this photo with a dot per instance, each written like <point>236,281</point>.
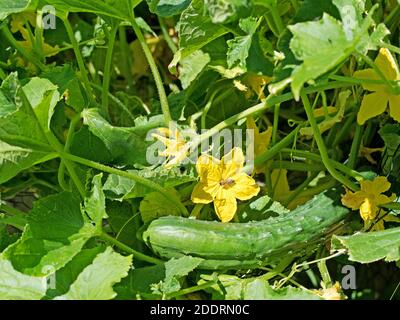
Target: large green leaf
<point>370,247</point>
<point>15,159</point>
<point>17,286</point>
<point>175,269</point>
<point>336,41</point>
<point>56,232</point>
<point>239,46</point>
<point>111,8</point>
<point>96,281</point>
<point>167,8</point>
<point>22,141</point>
<point>64,277</point>
<point>8,7</point>
<point>228,11</point>
<point>43,96</point>
<point>196,29</point>
<point>126,145</point>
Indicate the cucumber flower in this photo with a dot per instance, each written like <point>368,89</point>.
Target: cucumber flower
<point>377,102</point>
<point>222,182</point>
<point>175,145</point>
<point>368,200</point>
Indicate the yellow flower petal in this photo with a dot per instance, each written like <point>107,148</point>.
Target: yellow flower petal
<point>372,105</point>
<point>200,196</point>
<point>368,210</point>
<point>387,64</point>
<point>375,187</point>
<point>232,163</point>
<point>394,103</point>
<point>245,187</point>
<point>353,200</point>
<point>208,169</point>
<point>225,205</point>
<point>369,74</point>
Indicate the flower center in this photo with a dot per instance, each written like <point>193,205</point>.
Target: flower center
<point>227,183</point>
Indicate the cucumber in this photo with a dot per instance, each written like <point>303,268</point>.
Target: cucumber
<point>247,245</point>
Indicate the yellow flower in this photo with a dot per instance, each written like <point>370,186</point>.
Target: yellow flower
<point>261,140</point>
<point>175,146</point>
<point>368,200</point>
<point>222,182</point>
<point>331,293</point>
<point>376,103</point>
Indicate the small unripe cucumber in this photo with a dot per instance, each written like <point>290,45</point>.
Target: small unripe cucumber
<point>246,245</point>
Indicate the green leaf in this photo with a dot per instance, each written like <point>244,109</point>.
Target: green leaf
<point>56,232</point>
<point>125,222</point>
<point>370,247</point>
<point>17,286</point>
<point>239,46</point>
<point>126,145</point>
<point>68,86</point>
<point>228,11</point>
<point>86,145</point>
<point>260,209</point>
<point>175,269</point>
<point>336,41</point>
<point>196,29</point>
<point>43,96</point>
<point>8,7</point>
<point>64,277</point>
<point>95,204</point>
<point>390,134</point>
<point>15,159</point>
<point>96,281</point>
<point>191,66</point>
<point>109,8</point>
<point>154,206</point>
<point>167,8</point>
<point>22,142</point>
<point>139,282</point>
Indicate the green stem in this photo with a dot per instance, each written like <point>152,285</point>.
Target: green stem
<point>11,210</point>
<point>136,254</point>
<point>108,71</point>
<point>167,38</point>
<point>297,166</point>
<point>315,157</point>
<point>269,102</point>
<point>276,123</point>
<point>126,56</point>
<point>355,147</point>
<point>321,146</point>
<point>326,278</point>
<point>79,58</point>
<point>391,47</point>
<point>68,142</point>
<point>130,175</point>
<point>271,153</point>
<point>156,74</point>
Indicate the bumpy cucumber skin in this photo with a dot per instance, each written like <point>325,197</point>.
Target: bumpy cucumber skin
<point>246,245</point>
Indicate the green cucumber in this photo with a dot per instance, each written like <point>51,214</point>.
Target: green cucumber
<point>247,245</point>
